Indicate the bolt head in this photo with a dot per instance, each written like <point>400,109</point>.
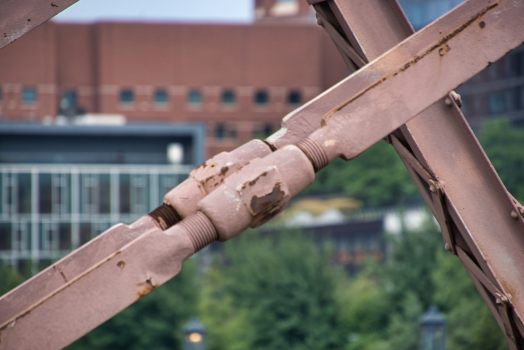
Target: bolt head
<point>514,214</point>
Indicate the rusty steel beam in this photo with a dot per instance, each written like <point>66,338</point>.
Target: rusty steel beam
<point>18,17</point>
<point>255,193</point>
<point>479,220</point>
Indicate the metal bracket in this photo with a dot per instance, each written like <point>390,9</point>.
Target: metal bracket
<point>340,42</point>
<point>435,188</point>
<point>501,300</point>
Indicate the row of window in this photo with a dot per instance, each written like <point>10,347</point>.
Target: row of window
<point>28,97</point>
<point>261,98</point>
<point>228,98</point>
<point>87,193</point>
<point>229,131</point>
<point>494,103</point>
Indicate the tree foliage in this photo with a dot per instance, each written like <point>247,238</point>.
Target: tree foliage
<point>272,293</point>
<point>9,279</point>
<point>504,145</point>
<point>377,177</point>
<point>421,273</point>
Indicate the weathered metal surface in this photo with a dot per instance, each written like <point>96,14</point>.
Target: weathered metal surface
<point>417,72</point>
<point>258,192</point>
<point>100,288</point>
<point>108,287</point>
<point>18,17</point>
<point>207,177</point>
<point>47,282</point>
<point>444,149</point>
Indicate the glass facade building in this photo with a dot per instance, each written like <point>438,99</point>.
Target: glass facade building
<point>49,208</point>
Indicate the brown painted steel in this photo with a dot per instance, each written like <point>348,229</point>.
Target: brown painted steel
<point>18,17</point>
<point>32,292</point>
<point>81,297</point>
<point>418,72</point>
<point>441,141</point>
<point>108,287</point>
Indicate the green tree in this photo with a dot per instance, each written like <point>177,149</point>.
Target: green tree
<point>377,177</point>
<point>365,308</point>
<point>9,279</point>
<point>272,293</point>
<point>153,322</point>
<point>504,146</point>
<point>413,259</point>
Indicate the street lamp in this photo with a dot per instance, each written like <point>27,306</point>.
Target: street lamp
<point>194,336</point>
<point>432,330</point>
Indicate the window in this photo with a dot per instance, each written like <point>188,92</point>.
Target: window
<point>228,98</point>
<point>514,64</point>
<point>261,98</point>
<point>127,97</point>
<point>497,103</point>
<point>228,131</point>
<point>161,97</point>
<point>268,130</point>
<point>294,98</point>
<point>29,96</point>
<point>68,105</point>
<point>220,131</point>
<point>69,99</point>
<point>194,98</point>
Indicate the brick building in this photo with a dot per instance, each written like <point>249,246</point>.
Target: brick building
<point>238,79</point>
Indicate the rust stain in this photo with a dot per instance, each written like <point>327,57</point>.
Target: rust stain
<point>54,5</point>
<point>224,170</point>
<point>147,287</point>
<point>56,268</point>
<point>121,264</point>
<point>414,60</point>
<point>265,203</point>
<point>253,182</point>
<point>444,50</point>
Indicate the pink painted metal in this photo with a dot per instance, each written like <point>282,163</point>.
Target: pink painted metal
<point>258,192</point>
<point>80,297</point>
<point>448,166</point>
<point>207,177</point>
<point>18,17</point>
<point>108,287</point>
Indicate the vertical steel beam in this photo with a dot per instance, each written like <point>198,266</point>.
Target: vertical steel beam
<point>476,213</point>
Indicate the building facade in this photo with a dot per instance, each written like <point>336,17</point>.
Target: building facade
<point>240,80</point>
<point>62,186</point>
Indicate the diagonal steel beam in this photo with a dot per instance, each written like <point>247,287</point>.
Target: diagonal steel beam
<point>143,265</point>
<point>477,213</point>
<point>18,17</point>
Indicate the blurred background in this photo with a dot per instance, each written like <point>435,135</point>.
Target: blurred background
<point>108,106</point>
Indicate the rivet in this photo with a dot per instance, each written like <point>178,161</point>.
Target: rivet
<point>514,214</point>
<point>432,188</point>
<point>447,246</point>
<point>447,101</point>
<point>456,97</point>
